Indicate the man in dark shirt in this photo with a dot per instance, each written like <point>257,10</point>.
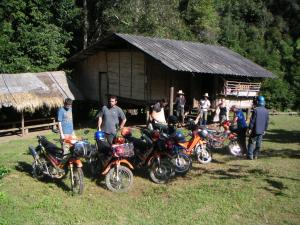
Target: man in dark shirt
<point>111,117</point>
<point>258,125</point>
<point>179,103</point>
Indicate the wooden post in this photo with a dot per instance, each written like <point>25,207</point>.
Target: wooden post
<point>171,100</point>
<point>22,124</point>
<point>147,114</point>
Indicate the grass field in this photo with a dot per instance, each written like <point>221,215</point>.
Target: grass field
<point>227,191</point>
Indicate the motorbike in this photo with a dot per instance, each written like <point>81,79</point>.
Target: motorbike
<point>195,146</point>
<point>112,161</point>
<point>165,142</point>
<point>50,160</point>
<point>147,155</point>
<point>225,139</point>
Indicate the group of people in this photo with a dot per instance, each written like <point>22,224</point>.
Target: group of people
<point>111,118</point>
<point>255,130</point>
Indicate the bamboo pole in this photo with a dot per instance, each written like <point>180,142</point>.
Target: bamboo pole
<point>22,124</point>
<point>171,100</point>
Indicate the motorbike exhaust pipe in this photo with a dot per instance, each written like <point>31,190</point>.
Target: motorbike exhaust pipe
<point>33,152</point>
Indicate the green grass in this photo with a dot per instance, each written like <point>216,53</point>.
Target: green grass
<point>227,191</point>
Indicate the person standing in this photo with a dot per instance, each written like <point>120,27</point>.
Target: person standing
<point>65,120</point>
<point>223,114</point>
<point>257,127</point>
<point>110,118</point>
<point>157,118</point>
<point>241,129</point>
<point>203,110</point>
<point>180,103</point>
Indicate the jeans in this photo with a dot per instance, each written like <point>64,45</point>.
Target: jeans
<point>203,117</point>
<point>110,138</point>
<point>254,145</point>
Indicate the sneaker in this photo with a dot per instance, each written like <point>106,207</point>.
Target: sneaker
<point>255,157</point>
<point>250,157</point>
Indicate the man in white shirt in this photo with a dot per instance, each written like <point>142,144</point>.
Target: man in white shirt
<point>204,105</point>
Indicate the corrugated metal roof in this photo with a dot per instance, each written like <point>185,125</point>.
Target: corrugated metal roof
<point>187,56</point>
<point>34,90</point>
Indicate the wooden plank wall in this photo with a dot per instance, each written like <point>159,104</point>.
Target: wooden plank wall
<point>87,73</point>
<point>113,69</point>
<point>125,74</point>
<point>138,76</point>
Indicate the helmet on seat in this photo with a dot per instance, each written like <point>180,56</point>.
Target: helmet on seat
<point>261,100</point>
<point>126,131</point>
<point>172,119</point>
<point>179,137</point>
<point>100,135</point>
<point>203,133</point>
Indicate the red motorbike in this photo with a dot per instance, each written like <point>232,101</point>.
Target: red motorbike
<point>50,160</point>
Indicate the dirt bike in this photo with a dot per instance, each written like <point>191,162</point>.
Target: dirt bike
<point>179,158</point>
<point>226,139</point>
<point>50,160</point>
<point>196,146</point>
<point>147,155</point>
<point>112,161</point>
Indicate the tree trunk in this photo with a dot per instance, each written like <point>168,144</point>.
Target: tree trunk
<point>85,24</point>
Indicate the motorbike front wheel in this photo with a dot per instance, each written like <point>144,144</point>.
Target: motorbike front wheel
<point>182,163</point>
<point>77,185</point>
<point>38,168</point>
<point>119,179</point>
<point>160,173</point>
<point>204,156</point>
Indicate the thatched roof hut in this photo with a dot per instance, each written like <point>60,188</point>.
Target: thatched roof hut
<point>30,91</point>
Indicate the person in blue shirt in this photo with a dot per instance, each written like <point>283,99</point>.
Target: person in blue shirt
<point>241,129</point>
<point>258,125</point>
<point>65,120</point>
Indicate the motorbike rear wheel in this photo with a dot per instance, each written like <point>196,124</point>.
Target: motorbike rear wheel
<point>77,185</point>
<point>234,148</point>
<point>161,173</point>
<point>119,179</point>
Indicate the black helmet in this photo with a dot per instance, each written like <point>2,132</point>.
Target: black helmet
<point>172,119</point>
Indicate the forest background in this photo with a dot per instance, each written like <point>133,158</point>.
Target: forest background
<point>39,35</point>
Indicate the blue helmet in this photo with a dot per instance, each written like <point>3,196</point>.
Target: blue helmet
<point>261,100</point>
<point>179,136</point>
<point>100,135</point>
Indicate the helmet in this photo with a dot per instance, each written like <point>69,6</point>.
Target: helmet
<point>172,119</point>
<point>203,133</point>
<point>126,131</point>
<point>179,137</point>
<point>155,135</point>
<point>99,135</point>
<point>261,100</point>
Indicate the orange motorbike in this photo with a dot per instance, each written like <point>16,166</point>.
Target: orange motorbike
<point>196,146</point>
<point>113,162</point>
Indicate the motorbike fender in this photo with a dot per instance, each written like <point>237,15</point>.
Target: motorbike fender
<point>76,162</point>
<point>156,156</point>
<point>115,163</point>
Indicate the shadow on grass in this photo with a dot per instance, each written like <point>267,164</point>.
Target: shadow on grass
<point>26,168</point>
<point>284,153</point>
<point>282,136</point>
<point>275,187</point>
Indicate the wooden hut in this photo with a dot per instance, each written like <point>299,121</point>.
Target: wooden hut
<point>31,91</point>
<point>140,70</point>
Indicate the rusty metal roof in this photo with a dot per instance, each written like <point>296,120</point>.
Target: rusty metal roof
<point>184,56</point>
